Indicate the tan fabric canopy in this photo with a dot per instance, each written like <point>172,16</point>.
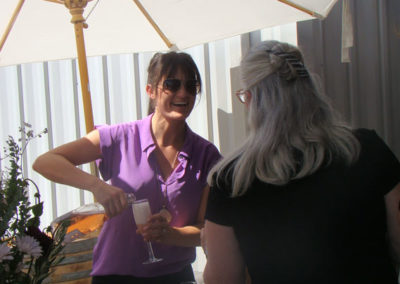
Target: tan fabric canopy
<point>43,32</point>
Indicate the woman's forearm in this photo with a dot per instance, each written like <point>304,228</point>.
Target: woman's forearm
<point>188,236</point>
<point>392,201</point>
<point>58,169</point>
<point>158,230</point>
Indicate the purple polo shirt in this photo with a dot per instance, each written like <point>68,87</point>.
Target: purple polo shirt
<point>129,162</point>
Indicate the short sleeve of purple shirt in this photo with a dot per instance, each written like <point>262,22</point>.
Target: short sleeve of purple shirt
<point>128,162</point>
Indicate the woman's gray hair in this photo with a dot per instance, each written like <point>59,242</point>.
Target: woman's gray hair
<point>293,130</point>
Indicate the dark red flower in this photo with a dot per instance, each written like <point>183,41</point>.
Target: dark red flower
<point>44,240</point>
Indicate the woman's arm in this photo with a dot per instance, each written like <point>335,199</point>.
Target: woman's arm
<point>225,264</point>
<point>60,165</point>
<point>158,229</point>
<point>392,200</point>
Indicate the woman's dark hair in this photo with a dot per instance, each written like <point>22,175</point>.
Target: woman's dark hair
<point>168,64</point>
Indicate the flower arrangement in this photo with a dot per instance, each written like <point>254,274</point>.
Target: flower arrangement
<point>26,252</point>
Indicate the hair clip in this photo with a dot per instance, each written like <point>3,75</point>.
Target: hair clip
<point>296,63</point>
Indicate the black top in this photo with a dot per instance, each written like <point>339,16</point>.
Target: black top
<point>329,227</point>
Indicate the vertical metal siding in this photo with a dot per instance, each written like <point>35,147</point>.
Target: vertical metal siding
<point>48,95</point>
<point>366,91</point>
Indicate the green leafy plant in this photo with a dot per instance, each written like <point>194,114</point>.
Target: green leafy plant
<point>26,252</point>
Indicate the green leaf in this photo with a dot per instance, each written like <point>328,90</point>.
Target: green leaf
<point>37,209</point>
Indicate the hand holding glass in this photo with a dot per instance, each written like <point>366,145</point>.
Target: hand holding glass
<point>141,212</point>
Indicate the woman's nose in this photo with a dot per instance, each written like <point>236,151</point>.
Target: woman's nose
<point>182,90</point>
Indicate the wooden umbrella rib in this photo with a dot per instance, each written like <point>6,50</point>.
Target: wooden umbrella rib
<point>301,8</point>
<point>56,1</point>
<point>11,23</point>
<point>14,18</point>
<point>153,23</point>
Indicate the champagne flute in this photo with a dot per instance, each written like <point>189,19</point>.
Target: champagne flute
<point>141,212</point>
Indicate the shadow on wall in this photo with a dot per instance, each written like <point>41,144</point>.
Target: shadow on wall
<point>232,131</point>
<point>232,126</point>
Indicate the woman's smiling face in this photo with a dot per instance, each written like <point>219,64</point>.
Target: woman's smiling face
<point>173,105</point>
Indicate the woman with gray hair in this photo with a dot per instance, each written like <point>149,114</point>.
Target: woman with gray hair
<point>306,199</point>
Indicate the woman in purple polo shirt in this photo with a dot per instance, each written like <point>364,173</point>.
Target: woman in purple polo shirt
<point>158,158</point>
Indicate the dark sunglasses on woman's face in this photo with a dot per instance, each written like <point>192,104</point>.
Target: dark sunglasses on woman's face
<point>173,85</point>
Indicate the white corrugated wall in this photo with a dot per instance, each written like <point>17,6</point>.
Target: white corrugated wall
<point>47,95</point>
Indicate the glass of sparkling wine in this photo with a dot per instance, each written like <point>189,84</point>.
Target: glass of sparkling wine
<point>141,212</point>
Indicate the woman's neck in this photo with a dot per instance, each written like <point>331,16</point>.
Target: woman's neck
<point>167,133</point>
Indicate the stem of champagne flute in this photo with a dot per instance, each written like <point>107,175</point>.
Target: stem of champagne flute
<point>150,251</point>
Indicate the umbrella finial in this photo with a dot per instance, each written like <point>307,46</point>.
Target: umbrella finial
<point>76,8</point>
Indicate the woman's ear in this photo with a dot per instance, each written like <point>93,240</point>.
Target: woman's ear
<point>150,92</point>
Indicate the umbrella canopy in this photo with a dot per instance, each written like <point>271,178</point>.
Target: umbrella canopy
<point>42,31</point>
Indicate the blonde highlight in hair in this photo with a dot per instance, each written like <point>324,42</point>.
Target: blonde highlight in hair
<point>293,130</point>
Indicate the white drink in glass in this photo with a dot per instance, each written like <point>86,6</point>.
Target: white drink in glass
<point>141,212</point>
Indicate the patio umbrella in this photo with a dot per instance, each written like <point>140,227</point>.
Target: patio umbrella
<point>40,30</point>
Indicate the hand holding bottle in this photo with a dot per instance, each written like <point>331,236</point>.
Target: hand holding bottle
<point>113,199</point>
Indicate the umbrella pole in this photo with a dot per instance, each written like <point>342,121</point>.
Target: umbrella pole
<point>76,8</point>
<point>83,71</point>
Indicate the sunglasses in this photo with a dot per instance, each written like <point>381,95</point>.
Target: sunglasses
<point>173,85</point>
